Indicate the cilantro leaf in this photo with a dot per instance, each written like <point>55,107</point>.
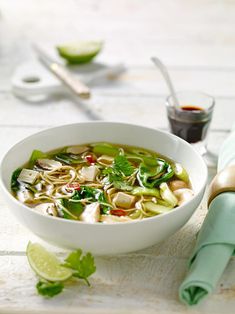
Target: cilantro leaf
<point>117,173</point>
<point>72,259</point>
<point>112,175</point>
<point>123,166</point>
<point>49,289</point>
<point>83,266</point>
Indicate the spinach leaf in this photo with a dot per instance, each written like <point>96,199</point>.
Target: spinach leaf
<point>15,185</point>
<point>69,208</point>
<point>94,195</point>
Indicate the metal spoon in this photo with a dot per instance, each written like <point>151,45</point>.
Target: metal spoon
<point>167,78</point>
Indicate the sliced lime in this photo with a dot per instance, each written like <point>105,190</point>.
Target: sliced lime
<point>81,52</point>
<point>45,264</point>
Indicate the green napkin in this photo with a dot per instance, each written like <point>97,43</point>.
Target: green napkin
<point>216,239</point>
<point>214,247</point>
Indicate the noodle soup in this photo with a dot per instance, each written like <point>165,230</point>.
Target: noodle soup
<point>101,183</point>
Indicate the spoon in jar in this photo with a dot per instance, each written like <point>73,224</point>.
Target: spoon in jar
<point>167,78</point>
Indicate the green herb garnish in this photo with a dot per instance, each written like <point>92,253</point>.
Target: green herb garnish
<point>123,166</point>
<point>49,289</point>
<point>118,173</point>
<point>53,275</point>
<point>94,195</point>
<point>83,266</point>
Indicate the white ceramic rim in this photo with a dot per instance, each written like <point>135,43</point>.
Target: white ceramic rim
<point>4,188</point>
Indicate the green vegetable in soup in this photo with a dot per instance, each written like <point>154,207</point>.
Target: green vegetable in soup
<point>146,191</point>
<point>69,208</point>
<point>180,172</point>
<point>153,176</point>
<point>92,195</point>
<point>143,156</point>
<point>15,185</point>
<point>69,159</point>
<point>167,195</point>
<point>156,208</point>
<point>104,149</point>
<point>36,154</point>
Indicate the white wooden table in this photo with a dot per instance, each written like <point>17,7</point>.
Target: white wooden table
<point>196,39</point>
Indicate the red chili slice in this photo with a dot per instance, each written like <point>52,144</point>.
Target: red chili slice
<point>118,212</point>
<point>74,186</point>
<point>90,159</point>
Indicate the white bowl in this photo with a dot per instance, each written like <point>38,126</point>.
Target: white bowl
<point>99,238</point>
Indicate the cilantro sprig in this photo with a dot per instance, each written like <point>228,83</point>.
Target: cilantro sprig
<point>118,173</point>
<point>49,289</point>
<point>123,166</point>
<point>83,266</point>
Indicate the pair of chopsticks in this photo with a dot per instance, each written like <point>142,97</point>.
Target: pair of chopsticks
<point>78,89</point>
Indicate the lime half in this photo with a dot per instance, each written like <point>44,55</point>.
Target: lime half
<point>45,264</point>
<point>81,52</point>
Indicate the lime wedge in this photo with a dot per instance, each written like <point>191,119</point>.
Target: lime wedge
<point>45,264</point>
<point>81,52</point>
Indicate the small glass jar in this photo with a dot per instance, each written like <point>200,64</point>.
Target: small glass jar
<point>190,119</point>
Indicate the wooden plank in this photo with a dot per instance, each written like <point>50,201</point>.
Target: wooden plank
<point>147,81</point>
<point>149,111</point>
<point>180,33</point>
<point>127,282</point>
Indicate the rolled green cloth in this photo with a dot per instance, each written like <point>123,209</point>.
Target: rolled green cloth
<point>215,245</point>
<point>216,239</point>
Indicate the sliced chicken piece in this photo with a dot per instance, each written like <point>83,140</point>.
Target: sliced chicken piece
<point>89,173</point>
<point>28,176</point>
<point>25,196</point>
<point>46,209</point>
<point>177,184</point>
<point>76,150</point>
<point>124,200</point>
<point>91,213</point>
<point>183,195</point>
<point>39,186</point>
<point>49,164</point>
<point>110,219</point>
